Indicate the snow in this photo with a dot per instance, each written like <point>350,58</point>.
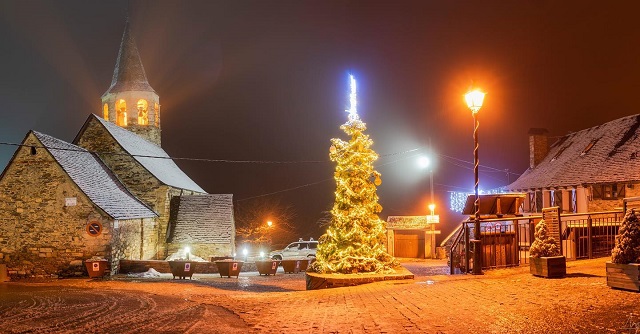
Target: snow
<point>151,273</point>
<point>142,150</point>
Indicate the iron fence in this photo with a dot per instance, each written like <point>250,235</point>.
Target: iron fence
<point>505,242</point>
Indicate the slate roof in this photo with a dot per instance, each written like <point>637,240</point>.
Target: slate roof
<point>95,179</point>
<point>204,219</point>
<point>141,149</point>
<point>614,156</point>
<point>129,73</point>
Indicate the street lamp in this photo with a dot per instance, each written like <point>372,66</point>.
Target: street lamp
<point>474,100</point>
<point>269,223</point>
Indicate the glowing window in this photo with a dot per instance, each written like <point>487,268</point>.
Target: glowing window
<point>156,110</point>
<point>105,112</point>
<point>121,112</point>
<point>143,112</point>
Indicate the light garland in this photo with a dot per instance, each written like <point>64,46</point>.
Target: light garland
<point>458,199</point>
<point>354,242</point>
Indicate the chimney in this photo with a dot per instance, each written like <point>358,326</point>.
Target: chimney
<point>538,146</point>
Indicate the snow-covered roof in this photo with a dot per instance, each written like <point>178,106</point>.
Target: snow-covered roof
<point>128,74</point>
<point>606,153</point>
<point>95,179</point>
<point>161,165</point>
<point>204,219</point>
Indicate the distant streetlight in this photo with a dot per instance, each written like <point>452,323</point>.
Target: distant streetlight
<point>432,209</point>
<point>269,223</point>
<point>474,100</point>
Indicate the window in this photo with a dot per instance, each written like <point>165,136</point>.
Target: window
<point>558,154</point>
<point>589,147</point>
<point>609,191</point>
<point>143,112</point>
<point>156,110</point>
<point>121,112</point>
<point>105,112</point>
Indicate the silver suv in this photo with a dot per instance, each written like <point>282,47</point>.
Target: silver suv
<point>296,250</point>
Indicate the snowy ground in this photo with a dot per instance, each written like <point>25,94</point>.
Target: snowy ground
<point>508,300</point>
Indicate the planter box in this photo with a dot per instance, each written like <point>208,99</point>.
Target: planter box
<point>229,268</point>
<point>96,268</point>
<point>293,266</point>
<point>549,267</point>
<point>268,267</point>
<point>624,276</point>
<point>182,269</point>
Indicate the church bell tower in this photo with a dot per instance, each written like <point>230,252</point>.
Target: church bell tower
<point>130,102</point>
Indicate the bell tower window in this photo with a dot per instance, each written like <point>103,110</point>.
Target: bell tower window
<point>143,112</point>
<point>156,111</point>
<point>121,111</point>
<point>105,112</point>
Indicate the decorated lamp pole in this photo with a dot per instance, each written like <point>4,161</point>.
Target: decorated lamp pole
<point>474,100</point>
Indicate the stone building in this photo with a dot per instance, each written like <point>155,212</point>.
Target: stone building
<point>109,193</point>
<point>586,171</point>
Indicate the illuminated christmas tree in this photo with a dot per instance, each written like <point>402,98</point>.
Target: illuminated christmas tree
<point>354,242</point>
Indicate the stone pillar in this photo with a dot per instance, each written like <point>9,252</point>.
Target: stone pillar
<point>546,198</point>
<point>527,202</point>
<point>581,200</point>
<point>566,200</point>
<point>390,245</point>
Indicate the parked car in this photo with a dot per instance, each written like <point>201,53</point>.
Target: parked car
<point>296,250</point>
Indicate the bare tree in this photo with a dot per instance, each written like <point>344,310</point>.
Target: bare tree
<point>252,219</point>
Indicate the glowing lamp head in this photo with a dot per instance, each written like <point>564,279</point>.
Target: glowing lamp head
<point>245,252</point>
<point>187,250</point>
<point>424,162</point>
<point>269,223</point>
<point>432,207</point>
<point>474,100</point>
<point>261,254</point>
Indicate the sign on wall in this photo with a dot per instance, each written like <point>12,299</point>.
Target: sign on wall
<point>70,201</point>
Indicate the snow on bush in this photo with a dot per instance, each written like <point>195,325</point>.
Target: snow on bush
<point>543,245</point>
<point>627,248</point>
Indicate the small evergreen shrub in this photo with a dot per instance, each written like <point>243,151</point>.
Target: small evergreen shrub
<point>543,245</point>
<point>627,248</point>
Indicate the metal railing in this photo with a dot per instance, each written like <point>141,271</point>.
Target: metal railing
<point>505,242</point>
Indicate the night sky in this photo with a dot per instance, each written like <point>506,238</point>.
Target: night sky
<point>268,81</point>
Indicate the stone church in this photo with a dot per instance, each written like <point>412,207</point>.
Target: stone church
<point>113,192</point>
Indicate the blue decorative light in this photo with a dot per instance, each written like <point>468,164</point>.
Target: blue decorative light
<point>353,100</point>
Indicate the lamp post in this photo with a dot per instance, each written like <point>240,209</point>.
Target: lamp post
<point>474,100</point>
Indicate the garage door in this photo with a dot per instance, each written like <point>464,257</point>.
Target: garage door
<point>409,243</point>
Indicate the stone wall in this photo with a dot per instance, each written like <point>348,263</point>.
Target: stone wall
<point>138,181</point>
<point>39,235</point>
<point>135,177</point>
<point>597,204</point>
<point>204,250</point>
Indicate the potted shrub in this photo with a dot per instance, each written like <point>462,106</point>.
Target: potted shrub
<point>545,259</point>
<point>623,272</point>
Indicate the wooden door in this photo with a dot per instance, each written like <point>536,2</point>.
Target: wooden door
<point>409,243</point>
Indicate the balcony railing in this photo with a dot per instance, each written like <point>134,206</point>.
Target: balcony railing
<point>505,242</point>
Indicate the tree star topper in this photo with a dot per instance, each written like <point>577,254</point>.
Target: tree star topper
<point>353,109</point>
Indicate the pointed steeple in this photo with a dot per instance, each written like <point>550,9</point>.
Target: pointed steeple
<point>130,102</point>
<point>129,73</point>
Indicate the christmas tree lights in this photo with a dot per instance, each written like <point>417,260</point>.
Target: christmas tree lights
<point>355,239</point>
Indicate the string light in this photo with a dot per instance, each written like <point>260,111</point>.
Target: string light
<point>354,242</point>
